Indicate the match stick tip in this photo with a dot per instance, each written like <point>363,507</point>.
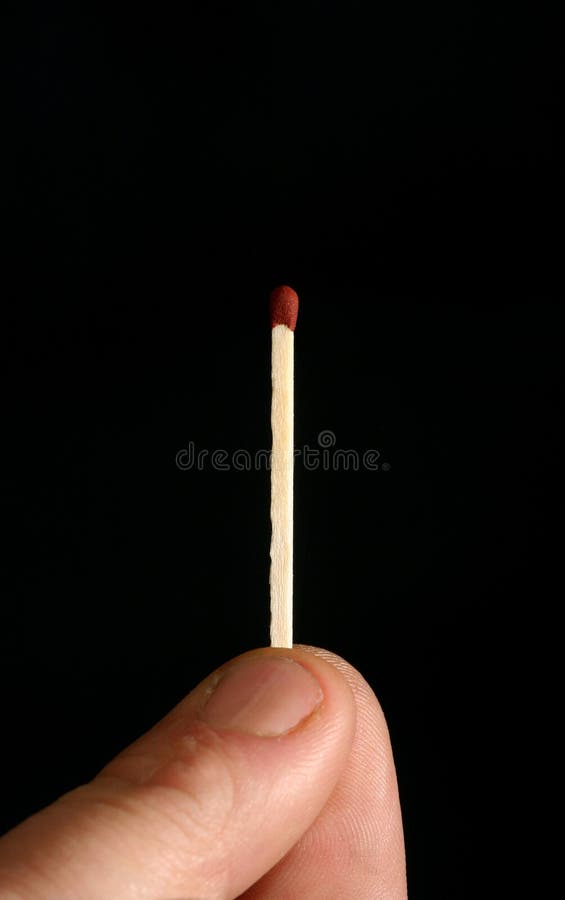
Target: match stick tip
<point>284,307</point>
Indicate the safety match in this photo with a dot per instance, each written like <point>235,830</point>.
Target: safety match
<point>284,311</point>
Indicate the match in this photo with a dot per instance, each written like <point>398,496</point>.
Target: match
<point>284,312</point>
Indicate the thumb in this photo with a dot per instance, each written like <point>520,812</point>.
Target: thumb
<point>207,801</point>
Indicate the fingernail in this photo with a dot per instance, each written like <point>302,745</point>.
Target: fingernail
<point>265,697</point>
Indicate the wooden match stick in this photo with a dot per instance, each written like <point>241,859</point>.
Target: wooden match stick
<point>284,311</point>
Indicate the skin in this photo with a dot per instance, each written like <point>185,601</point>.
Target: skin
<point>196,810</point>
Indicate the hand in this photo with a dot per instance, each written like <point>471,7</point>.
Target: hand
<point>273,779</point>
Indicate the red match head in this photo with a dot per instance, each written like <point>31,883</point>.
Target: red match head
<point>284,307</point>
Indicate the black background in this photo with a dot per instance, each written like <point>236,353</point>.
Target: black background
<point>401,167</point>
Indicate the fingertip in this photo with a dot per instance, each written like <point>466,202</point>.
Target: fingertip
<point>338,704</point>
